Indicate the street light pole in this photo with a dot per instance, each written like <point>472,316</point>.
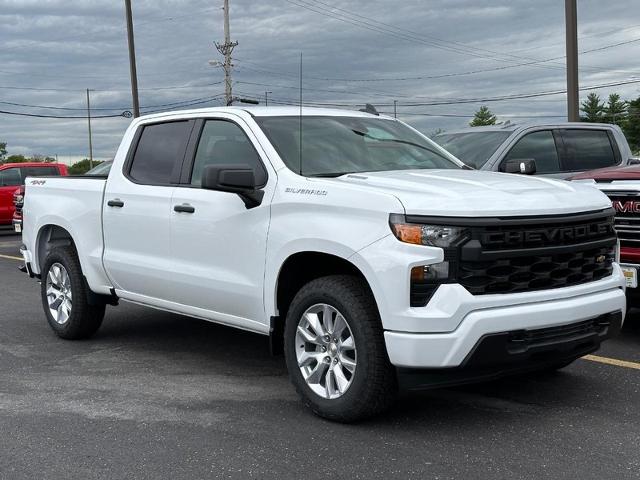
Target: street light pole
<point>132,60</point>
<point>90,139</point>
<point>573,95</point>
<point>266,98</point>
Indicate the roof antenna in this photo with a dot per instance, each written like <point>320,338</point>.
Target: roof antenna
<point>368,108</point>
<point>300,125</point>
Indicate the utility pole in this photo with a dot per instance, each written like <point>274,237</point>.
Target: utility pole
<point>395,109</point>
<point>225,49</point>
<point>90,139</point>
<point>573,95</point>
<point>132,60</point>
<point>266,98</point>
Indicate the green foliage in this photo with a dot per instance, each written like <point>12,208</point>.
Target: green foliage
<point>616,110</point>
<point>3,151</point>
<point>631,127</point>
<point>483,117</point>
<point>593,109</point>
<point>82,167</point>
<point>16,159</point>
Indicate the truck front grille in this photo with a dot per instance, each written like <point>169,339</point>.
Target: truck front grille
<point>627,222</point>
<point>536,272</point>
<point>509,255</point>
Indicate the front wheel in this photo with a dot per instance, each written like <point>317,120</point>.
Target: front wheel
<point>64,296</point>
<point>335,351</point>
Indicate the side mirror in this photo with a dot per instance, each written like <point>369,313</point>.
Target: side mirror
<point>230,178</point>
<point>634,161</point>
<point>526,166</point>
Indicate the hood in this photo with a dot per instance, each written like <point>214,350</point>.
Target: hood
<point>467,193</point>
<point>609,174</point>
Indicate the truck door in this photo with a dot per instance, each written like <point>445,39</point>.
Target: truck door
<point>136,210</point>
<point>218,245</point>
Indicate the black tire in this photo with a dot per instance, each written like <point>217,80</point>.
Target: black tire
<point>373,387</point>
<point>84,319</point>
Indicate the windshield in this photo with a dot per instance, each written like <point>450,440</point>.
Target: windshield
<point>333,146</point>
<point>100,170</point>
<point>473,148</point>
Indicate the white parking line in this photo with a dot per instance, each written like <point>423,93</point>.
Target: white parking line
<point>11,257</point>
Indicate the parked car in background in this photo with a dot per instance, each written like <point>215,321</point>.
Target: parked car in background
<point>557,150</point>
<point>101,170</point>
<point>12,176</point>
<point>622,186</point>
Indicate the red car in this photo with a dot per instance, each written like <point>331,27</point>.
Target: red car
<point>12,177</point>
<point>622,186</point>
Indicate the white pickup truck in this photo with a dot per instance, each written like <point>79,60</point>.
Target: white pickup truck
<point>370,255</point>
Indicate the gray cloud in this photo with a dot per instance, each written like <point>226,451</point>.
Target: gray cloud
<point>60,48</point>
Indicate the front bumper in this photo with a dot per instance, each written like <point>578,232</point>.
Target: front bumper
<point>443,350</point>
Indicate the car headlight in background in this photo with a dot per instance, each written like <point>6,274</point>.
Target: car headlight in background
<point>442,236</point>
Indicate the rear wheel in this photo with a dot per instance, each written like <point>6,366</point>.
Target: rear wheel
<point>335,351</point>
<point>64,296</point>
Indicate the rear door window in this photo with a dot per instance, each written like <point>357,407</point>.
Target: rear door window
<point>160,152</point>
<point>10,177</point>
<point>541,147</point>
<point>587,150</point>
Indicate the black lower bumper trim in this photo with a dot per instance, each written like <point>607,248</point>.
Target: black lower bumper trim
<point>519,351</point>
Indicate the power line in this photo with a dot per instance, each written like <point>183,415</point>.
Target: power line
<point>148,89</point>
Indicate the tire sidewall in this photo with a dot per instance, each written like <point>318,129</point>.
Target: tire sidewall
<point>62,257</point>
<point>362,372</point>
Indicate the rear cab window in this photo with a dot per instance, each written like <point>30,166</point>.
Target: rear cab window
<point>159,153</point>
<point>588,149</point>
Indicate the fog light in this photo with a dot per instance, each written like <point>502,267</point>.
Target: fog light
<point>434,272</point>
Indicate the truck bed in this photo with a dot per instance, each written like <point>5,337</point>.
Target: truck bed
<point>75,204</point>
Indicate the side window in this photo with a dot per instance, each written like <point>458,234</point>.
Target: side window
<point>224,142</point>
<point>160,152</point>
<point>10,177</point>
<point>541,147</point>
<point>587,149</point>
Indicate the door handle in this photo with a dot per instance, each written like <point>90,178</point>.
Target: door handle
<point>184,208</point>
<point>116,202</point>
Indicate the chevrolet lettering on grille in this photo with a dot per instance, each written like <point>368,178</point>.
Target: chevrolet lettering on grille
<point>554,234</point>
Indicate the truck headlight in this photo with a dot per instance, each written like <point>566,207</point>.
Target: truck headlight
<point>442,236</point>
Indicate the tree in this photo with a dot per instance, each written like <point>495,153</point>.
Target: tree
<point>616,110</point>
<point>3,151</point>
<point>593,109</point>
<point>16,159</point>
<point>631,127</point>
<point>82,167</point>
<point>483,117</point>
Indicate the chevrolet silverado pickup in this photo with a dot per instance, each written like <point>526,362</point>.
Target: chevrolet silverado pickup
<point>622,186</point>
<point>370,256</point>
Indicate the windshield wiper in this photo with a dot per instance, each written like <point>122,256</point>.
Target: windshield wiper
<point>329,175</point>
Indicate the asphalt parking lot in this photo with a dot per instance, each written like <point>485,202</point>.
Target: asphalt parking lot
<point>157,395</point>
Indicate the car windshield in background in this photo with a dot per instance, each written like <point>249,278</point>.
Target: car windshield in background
<point>101,170</point>
<point>473,148</point>
<point>334,146</point>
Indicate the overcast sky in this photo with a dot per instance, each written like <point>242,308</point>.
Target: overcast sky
<point>354,51</point>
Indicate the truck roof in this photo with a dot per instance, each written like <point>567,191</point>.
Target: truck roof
<point>4,166</point>
<point>261,111</point>
<point>512,127</point>
<point>629,172</point>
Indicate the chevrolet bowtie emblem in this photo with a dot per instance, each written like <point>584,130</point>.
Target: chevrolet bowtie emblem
<point>601,258</point>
